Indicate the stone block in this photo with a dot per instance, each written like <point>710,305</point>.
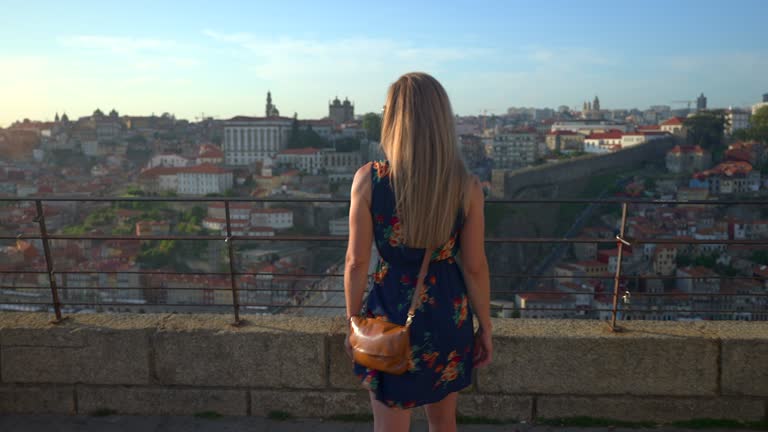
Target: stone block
<point>250,356</point>
<point>340,371</point>
<point>161,400</point>
<point>658,410</point>
<point>745,367</point>
<point>47,399</point>
<point>71,353</point>
<point>310,403</point>
<point>602,364</point>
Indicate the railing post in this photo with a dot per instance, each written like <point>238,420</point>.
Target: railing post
<point>232,281</point>
<point>40,219</point>
<point>619,255</point>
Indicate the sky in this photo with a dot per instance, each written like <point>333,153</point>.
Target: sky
<point>194,58</point>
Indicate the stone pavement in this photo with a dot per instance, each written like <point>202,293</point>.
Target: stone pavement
<point>117,423</point>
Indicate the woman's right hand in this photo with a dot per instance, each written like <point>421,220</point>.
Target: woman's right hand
<point>483,348</point>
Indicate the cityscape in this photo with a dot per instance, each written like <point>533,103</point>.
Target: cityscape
<point>290,176</point>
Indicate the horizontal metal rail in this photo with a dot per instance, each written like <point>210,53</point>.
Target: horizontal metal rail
<point>620,279</point>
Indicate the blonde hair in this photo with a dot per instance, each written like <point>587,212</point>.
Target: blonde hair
<point>427,173</point>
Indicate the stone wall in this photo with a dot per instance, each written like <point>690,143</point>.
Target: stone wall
<point>148,364</point>
<point>581,168</point>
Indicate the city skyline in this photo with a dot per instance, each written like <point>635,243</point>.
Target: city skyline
<point>189,59</point>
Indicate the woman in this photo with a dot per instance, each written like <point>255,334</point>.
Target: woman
<point>421,197</point>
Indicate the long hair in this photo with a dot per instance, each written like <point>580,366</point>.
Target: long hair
<point>427,173</point>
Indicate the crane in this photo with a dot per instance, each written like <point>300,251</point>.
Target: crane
<point>689,102</point>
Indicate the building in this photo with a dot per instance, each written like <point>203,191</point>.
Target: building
<point>752,152</point>
<point>341,165</point>
<point>324,127</point>
<point>701,103</point>
<point>339,227</point>
<point>591,110</point>
<point>674,126</point>
<point>564,141</point>
<point>275,218</point>
<point>472,149</point>
<point>630,139</point>
<point>251,139</point>
<point>736,120</point>
<point>728,178</point>
<point>209,153</point>
<point>308,160</point>
<point>340,112</point>
<point>687,159</point>
<point>759,105</point>
<point>516,148</point>
<point>159,179</point>
<point>168,160</point>
<point>204,179</point>
<point>603,142</point>
<point>587,126</point>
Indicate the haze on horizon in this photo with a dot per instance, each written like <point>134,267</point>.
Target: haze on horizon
<point>190,58</point>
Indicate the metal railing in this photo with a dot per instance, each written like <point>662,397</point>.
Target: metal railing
<point>620,240</point>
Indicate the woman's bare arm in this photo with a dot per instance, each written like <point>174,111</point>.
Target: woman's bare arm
<point>473,260</point>
<point>360,239</point>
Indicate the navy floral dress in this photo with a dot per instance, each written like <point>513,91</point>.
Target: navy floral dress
<point>442,330</point>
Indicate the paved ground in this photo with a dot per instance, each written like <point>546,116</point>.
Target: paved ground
<point>116,423</point>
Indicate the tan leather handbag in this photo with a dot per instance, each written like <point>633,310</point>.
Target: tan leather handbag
<point>382,345</point>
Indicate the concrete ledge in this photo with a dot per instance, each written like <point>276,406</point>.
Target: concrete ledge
<point>744,358</point>
<point>47,399</point>
<point>161,401</point>
<point>584,357</point>
<point>183,364</point>
<point>655,409</point>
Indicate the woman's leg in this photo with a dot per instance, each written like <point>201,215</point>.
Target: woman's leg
<point>442,415</point>
<point>386,419</point>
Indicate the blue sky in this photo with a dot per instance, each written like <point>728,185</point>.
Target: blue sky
<point>191,57</point>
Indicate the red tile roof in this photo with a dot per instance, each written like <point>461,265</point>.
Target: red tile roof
<point>612,134</point>
<point>674,121</point>
<point>678,149</point>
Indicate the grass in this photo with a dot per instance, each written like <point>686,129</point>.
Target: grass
<point>594,422</point>
<point>103,412</point>
<point>209,415</point>
<point>708,423</point>
<point>279,415</point>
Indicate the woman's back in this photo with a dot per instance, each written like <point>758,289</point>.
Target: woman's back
<point>441,333</point>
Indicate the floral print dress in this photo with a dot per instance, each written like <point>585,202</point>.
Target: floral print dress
<point>442,330</point>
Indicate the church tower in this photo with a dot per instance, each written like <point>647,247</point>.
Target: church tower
<point>271,110</point>
<point>596,105</point>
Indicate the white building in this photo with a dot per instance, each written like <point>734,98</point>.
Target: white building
<point>737,119</point>
<point>634,138</point>
<point>204,179</point>
<point>168,160</point>
<point>603,142</point>
<point>276,218</point>
<point>307,159</point>
<point>673,126</point>
<point>251,139</point>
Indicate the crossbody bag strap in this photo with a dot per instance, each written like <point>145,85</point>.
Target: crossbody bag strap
<point>416,299</point>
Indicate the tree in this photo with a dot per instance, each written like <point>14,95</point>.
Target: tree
<point>758,129</point>
<point>706,129</point>
<point>372,126</point>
